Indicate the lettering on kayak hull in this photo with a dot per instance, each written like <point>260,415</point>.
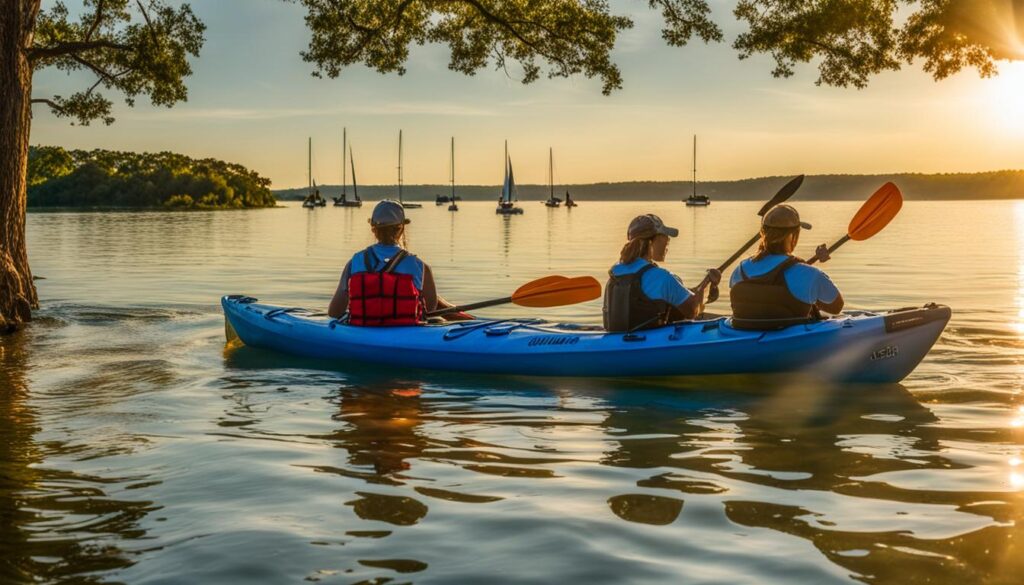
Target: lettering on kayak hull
<point>887,352</point>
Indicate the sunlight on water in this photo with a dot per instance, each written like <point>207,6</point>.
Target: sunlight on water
<point>135,447</point>
<point>1018,217</point>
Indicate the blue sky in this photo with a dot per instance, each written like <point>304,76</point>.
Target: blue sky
<point>253,101</point>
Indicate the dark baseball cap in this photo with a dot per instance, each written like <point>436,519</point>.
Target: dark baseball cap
<point>783,216</point>
<point>648,226</point>
<point>388,212</point>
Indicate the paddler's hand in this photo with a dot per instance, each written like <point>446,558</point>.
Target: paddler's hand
<point>712,294</point>
<point>712,279</point>
<point>821,253</point>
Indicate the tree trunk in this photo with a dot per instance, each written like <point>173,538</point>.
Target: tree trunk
<point>17,291</point>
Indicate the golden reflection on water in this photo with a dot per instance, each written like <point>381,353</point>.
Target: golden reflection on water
<point>342,468</point>
<point>1018,224</point>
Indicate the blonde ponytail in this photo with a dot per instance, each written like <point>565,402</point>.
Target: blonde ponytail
<point>636,248</point>
<point>773,241</point>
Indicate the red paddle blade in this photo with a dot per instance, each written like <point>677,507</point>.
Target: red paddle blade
<point>876,213</point>
<point>557,294</point>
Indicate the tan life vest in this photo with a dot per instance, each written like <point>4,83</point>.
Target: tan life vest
<point>765,302</point>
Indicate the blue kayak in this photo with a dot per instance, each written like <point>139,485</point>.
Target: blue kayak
<point>855,347</point>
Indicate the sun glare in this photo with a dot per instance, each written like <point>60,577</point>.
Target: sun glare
<point>1005,96</point>
<point>1018,224</point>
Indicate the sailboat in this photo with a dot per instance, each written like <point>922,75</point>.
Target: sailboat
<point>695,200</point>
<point>355,187</point>
<point>568,200</point>
<point>313,199</point>
<point>404,204</point>
<point>552,201</point>
<point>454,206</point>
<point>506,203</point>
<point>343,200</point>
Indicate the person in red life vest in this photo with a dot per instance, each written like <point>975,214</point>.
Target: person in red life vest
<point>385,285</point>
<point>774,288</point>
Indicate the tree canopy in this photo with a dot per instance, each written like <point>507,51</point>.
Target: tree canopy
<point>848,40</point>
<point>104,178</point>
<point>142,47</point>
<point>134,47</point>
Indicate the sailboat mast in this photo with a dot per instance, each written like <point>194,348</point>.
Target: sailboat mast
<point>504,187</point>
<point>309,164</point>
<point>344,171</point>
<point>399,166</point>
<point>551,172</point>
<point>355,187</point>
<point>453,169</point>
<point>694,165</point>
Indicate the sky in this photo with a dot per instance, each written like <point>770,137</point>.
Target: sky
<point>252,100</point>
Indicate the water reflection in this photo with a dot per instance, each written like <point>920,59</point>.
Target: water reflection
<point>56,524</point>
<point>381,429</point>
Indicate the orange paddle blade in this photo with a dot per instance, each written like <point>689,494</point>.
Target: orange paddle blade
<point>541,282</point>
<point>876,213</point>
<point>556,294</point>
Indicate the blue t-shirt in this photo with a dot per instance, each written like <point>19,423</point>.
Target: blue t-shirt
<point>806,283</point>
<point>410,265</point>
<point>657,283</point>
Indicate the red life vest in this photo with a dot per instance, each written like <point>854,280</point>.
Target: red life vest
<point>381,299</point>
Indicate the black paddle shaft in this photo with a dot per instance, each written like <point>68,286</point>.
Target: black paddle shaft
<point>739,252</point>
<point>832,248</point>
<point>470,307</point>
<point>784,194</point>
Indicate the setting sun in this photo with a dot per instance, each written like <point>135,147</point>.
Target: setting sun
<point>1005,95</point>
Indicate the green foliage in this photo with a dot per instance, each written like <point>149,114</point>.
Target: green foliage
<point>178,202</point>
<point>135,47</point>
<point>851,40</point>
<point>45,164</point>
<point>103,178</point>
<point>142,47</point>
<point>848,40</point>
<point>571,36</point>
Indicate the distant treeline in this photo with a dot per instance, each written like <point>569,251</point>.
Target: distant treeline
<point>991,185</point>
<point>112,179</point>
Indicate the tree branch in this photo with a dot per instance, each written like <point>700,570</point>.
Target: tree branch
<point>369,33</point>
<point>99,71</point>
<point>97,19</point>
<point>507,25</point>
<point>50,103</point>
<point>149,23</point>
<point>36,53</point>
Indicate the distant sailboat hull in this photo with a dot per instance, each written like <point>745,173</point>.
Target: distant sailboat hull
<point>342,202</point>
<point>508,209</point>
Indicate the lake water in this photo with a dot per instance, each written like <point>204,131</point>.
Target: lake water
<point>134,448</point>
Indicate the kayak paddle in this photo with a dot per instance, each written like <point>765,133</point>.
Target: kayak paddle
<point>784,193</point>
<point>873,216</point>
<point>550,291</point>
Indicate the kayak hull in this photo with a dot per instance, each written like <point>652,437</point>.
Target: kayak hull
<point>856,347</point>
